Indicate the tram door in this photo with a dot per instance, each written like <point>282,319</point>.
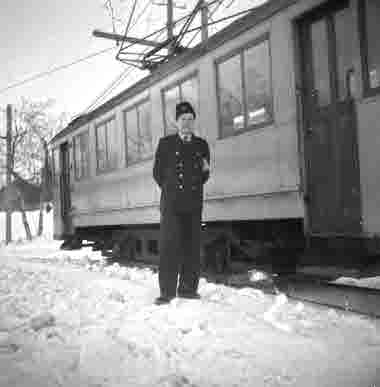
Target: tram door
<point>65,187</point>
<point>331,154</point>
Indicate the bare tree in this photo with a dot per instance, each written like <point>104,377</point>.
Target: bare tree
<point>33,128</point>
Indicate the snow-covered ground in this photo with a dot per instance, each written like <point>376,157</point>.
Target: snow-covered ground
<point>68,320</point>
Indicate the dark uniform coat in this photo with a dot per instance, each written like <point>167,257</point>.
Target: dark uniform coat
<point>178,171</point>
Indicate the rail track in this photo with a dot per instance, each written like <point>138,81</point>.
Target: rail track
<point>311,289</point>
<point>316,290</point>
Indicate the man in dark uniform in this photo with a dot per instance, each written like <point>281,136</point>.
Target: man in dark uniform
<point>181,168</point>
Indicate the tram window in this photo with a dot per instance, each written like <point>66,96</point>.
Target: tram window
<point>244,89</point>
<point>81,156</point>
<point>231,96</point>
<point>345,49</point>
<point>258,85</point>
<point>171,98</point>
<point>138,132</point>
<point>131,130</point>
<point>184,90</point>
<point>107,144</point>
<point>113,144</point>
<point>371,43</point>
<point>320,56</point>
<point>101,147</point>
<point>145,131</point>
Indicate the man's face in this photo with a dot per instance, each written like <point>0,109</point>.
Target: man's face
<point>185,123</point>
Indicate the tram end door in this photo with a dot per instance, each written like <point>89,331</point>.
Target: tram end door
<point>333,200</point>
<point>65,194</point>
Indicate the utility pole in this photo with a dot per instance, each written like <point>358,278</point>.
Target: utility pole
<point>169,24</point>
<point>171,43</point>
<point>8,237</point>
<point>145,42</point>
<point>204,20</point>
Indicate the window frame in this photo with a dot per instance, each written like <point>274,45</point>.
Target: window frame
<point>125,111</point>
<point>178,83</point>
<point>83,175</point>
<point>368,91</point>
<point>97,126</point>
<point>240,51</point>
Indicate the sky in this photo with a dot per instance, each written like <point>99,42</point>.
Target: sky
<point>38,35</point>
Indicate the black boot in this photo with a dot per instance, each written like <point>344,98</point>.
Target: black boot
<point>189,295</point>
<point>162,300</point>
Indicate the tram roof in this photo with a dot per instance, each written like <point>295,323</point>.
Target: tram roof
<point>234,29</point>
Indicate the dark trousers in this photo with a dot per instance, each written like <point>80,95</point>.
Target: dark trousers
<point>179,252</point>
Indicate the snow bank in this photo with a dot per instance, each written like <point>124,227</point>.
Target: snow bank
<point>90,325</point>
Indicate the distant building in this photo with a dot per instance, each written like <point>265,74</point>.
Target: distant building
<point>10,196</point>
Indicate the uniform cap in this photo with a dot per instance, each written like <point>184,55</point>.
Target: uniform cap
<point>183,108</point>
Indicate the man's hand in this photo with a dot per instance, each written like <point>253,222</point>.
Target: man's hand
<point>205,165</point>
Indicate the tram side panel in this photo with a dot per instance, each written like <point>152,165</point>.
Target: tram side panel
<point>121,199</point>
<point>369,155</point>
<point>122,196</point>
<point>255,175</point>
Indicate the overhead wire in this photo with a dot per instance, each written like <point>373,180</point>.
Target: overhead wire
<point>58,68</point>
<point>113,85</point>
<point>188,22</point>
<point>135,22</point>
<point>54,70</point>
<point>130,17</point>
<point>175,22</point>
<point>125,73</point>
<point>149,18</point>
<point>97,53</point>
<point>210,16</point>
<point>223,19</point>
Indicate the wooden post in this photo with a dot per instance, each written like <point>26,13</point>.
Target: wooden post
<point>169,24</point>
<point>8,237</point>
<point>204,19</point>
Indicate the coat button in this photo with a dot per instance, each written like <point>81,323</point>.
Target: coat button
<point>180,175</point>
<point>177,153</point>
<point>181,187</point>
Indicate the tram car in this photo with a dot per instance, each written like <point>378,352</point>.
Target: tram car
<point>288,98</point>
